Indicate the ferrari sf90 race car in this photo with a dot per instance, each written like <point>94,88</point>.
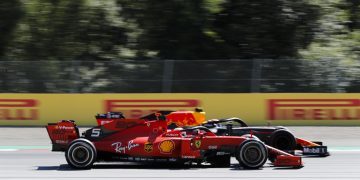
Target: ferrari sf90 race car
<point>278,136</point>
<point>149,140</point>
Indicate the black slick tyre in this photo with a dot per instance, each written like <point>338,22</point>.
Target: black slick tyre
<point>283,140</point>
<point>252,154</point>
<point>81,154</point>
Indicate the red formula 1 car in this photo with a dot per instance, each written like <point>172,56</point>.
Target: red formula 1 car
<point>148,140</point>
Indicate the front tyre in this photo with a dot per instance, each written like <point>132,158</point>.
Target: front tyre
<point>81,154</point>
<point>252,154</point>
<point>283,140</point>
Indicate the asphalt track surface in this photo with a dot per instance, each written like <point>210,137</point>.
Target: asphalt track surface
<point>25,154</point>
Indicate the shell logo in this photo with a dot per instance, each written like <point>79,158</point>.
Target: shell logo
<point>167,146</point>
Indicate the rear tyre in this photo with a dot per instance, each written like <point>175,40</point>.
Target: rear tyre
<point>81,154</point>
<point>252,154</point>
<point>283,140</point>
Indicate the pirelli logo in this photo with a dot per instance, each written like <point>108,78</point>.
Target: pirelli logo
<point>19,109</point>
<point>137,108</point>
<point>314,109</point>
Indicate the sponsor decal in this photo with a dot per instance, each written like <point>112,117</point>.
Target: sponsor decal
<point>161,160</point>
<point>197,143</point>
<point>314,109</point>
<point>166,146</point>
<point>105,122</point>
<point>221,153</point>
<point>135,109</point>
<point>59,132</point>
<point>131,145</point>
<point>65,127</point>
<point>122,149</point>
<point>61,141</point>
<point>315,150</point>
<point>172,135</point>
<point>148,147</point>
<point>62,130</point>
<point>212,147</point>
<point>188,157</point>
<point>118,148</point>
<point>19,109</point>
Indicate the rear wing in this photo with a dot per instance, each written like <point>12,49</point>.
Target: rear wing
<point>62,134</point>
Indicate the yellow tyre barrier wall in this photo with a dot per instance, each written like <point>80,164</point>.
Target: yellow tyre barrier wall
<point>255,109</point>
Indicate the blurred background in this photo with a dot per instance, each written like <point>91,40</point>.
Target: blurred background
<point>143,46</point>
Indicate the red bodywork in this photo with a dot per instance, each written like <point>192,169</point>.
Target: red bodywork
<point>139,138</point>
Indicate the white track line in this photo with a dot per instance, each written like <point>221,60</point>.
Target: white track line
<point>8,150</point>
